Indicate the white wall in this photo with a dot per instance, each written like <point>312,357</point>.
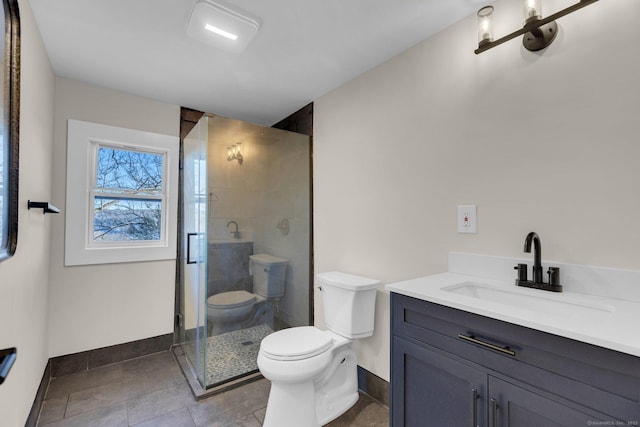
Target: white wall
<point>100,305</point>
<point>24,277</point>
<point>544,142</point>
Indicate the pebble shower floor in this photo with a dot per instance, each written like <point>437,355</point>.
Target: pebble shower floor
<point>232,354</point>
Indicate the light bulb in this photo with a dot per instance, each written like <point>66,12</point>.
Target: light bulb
<point>532,10</point>
<point>485,25</point>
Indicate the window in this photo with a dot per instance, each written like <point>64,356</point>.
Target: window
<point>121,195</point>
<point>127,196</point>
<point>9,120</point>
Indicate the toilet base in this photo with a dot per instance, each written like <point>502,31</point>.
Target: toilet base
<point>301,414</point>
<point>328,392</point>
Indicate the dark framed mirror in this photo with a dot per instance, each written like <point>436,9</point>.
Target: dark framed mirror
<point>9,130</point>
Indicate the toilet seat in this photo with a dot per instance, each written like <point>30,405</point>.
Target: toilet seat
<point>231,299</point>
<point>297,343</point>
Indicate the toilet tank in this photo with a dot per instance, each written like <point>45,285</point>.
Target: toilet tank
<point>349,303</point>
<point>268,274</point>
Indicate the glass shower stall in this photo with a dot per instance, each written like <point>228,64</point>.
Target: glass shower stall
<point>245,268</point>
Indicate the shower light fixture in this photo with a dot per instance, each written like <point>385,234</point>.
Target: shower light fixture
<point>538,32</point>
<point>221,25</point>
<point>233,153</point>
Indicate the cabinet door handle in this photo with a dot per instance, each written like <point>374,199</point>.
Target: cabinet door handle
<point>474,340</point>
<point>474,397</point>
<point>494,412</point>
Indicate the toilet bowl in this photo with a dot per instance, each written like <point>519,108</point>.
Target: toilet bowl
<point>233,310</point>
<point>229,311</point>
<point>313,372</point>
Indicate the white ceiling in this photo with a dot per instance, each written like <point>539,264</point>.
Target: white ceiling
<point>304,49</point>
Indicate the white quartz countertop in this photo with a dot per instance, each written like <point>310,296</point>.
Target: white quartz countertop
<point>611,323</point>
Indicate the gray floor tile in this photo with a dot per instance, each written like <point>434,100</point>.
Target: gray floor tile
<point>67,384</point>
<point>177,418</point>
<point>155,363</point>
<point>159,402</point>
<point>232,405</point>
<point>52,410</point>
<point>104,395</point>
<point>152,392</point>
<point>367,412</point>
<point>260,414</point>
<point>246,421</point>
<point>112,416</point>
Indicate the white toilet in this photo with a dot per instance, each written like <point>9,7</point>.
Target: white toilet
<point>233,310</point>
<point>313,373</point>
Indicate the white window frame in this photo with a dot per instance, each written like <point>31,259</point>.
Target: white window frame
<point>83,141</point>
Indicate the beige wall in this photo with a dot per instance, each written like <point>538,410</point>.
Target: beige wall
<point>24,277</point>
<point>101,305</point>
<point>546,142</point>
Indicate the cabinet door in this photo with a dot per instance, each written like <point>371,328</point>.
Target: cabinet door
<point>513,406</point>
<point>431,389</point>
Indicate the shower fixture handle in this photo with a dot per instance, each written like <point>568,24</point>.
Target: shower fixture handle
<point>236,233</point>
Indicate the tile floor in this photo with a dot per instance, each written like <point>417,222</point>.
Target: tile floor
<point>151,392</point>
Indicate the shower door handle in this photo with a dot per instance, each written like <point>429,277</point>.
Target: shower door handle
<point>189,236</point>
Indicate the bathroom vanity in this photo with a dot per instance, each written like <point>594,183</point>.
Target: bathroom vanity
<point>468,349</point>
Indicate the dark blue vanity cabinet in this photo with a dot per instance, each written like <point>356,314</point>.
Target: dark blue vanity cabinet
<point>454,368</point>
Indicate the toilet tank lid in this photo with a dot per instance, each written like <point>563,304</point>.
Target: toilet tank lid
<point>267,259</point>
<point>347,281</point>
<point>231,299</point>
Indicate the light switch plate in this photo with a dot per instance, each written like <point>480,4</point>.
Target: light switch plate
<point>468,219</point>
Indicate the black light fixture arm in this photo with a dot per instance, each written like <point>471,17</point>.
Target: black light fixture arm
<point>533,25</point>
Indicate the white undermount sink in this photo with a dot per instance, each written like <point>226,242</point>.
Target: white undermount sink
<point>536,300</point>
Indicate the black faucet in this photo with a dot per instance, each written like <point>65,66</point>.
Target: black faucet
<point>537,254</point>
<point>537,282</point>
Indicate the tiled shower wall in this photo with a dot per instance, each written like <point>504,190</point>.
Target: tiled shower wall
<point>271,185</point>
<point>228,267</point>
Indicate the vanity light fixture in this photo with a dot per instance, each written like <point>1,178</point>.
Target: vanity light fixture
<point>538,32</point>
<point>233,153</point>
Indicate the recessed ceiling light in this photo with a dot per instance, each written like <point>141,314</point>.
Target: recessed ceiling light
<point>221,32</point>
<point>209,21</point>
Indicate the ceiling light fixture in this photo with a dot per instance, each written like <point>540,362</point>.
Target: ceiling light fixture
<point>210,20</point>
<point>221,32</point>
<point>538,32</point>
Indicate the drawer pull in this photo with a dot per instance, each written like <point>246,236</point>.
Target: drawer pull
<point>472,339</point>
<point>474,397</point>
<point>494,412</point>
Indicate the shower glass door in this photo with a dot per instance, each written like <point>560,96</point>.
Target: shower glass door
<point>194,250</point>
<point>246,196</point>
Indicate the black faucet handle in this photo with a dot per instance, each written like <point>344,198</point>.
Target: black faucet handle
<point>554,276</point>
<point>522,271</point>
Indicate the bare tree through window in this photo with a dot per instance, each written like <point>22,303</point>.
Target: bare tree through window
<point>128,195</point>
